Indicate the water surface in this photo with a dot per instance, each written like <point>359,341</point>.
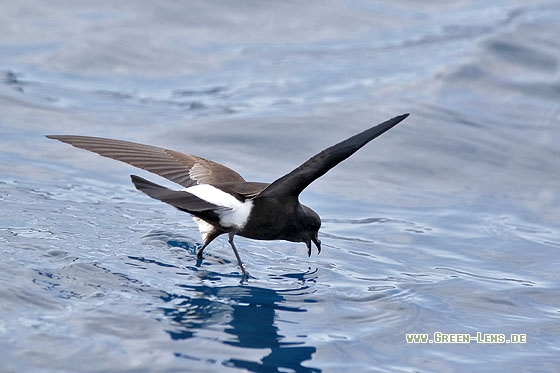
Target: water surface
<point>447,223</point>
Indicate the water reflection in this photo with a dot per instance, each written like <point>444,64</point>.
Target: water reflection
<point>248,314</point>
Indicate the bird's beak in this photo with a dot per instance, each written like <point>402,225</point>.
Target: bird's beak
<point>317,243</point>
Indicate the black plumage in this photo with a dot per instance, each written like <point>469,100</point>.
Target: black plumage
<point>226,203</point>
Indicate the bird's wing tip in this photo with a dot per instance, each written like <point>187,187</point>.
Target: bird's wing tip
<point>402,116</point>
<point>57,137</point>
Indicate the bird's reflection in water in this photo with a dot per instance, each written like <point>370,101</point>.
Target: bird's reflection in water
<point>248,314</point>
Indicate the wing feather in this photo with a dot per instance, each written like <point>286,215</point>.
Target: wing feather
<point>184,169</point>
<point>293,183</point>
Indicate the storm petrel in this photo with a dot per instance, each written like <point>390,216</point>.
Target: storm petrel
<point>220,200</point>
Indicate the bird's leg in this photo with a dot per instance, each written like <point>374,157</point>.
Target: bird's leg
<point>199,251</point>
<point>241,265</point>
<point>207,235</point>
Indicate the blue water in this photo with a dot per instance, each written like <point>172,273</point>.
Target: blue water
<point>448,223</point>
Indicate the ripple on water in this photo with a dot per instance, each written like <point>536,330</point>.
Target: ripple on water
<point>94,274</point>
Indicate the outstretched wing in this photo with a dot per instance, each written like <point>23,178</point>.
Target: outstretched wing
<point>184,169</point>
<point>293,183</point>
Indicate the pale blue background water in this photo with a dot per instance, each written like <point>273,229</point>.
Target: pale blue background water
<point>449,222</point>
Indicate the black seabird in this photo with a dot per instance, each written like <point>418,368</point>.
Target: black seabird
<point>220,200</point>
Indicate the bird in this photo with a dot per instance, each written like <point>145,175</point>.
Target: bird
<point>220,200</point>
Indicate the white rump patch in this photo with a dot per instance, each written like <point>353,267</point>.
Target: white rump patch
<point>239,211</point>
